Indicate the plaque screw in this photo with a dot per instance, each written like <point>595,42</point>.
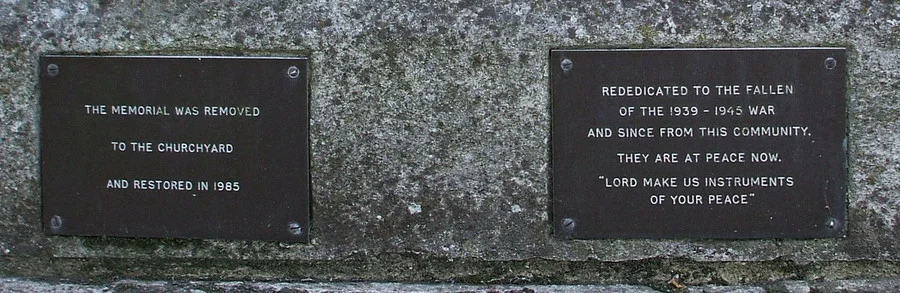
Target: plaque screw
<point>566,65</point>
<point>830,63</point>
<point>293,72</point>
<point>831,223</point>
<point>295,228</point>
<point>52,70</point>
<point>568,225</point>
<point>55,223</point>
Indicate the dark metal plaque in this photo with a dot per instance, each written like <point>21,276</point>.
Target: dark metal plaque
<point>699,143</point>
<point>175,147</point>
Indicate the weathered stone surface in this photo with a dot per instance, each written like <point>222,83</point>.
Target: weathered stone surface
<point>20,285</point>
<point>727,289</point>
<point>430,121</point>
<point>790,287</point>
<point>878,285</point>
<point>26,285</point>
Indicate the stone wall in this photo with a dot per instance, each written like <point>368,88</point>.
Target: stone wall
<point>429,137</point>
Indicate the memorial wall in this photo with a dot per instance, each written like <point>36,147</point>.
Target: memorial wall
<point>656,144</point>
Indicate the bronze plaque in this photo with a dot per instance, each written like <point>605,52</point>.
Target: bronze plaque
<point>699,143</point>
<point>175,147</point>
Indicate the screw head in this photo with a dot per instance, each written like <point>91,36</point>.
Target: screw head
<point>830,63</point>
<point>566,65</point>
<point>293,72</point>
<point>568,225</point>
<point>831,223</point>
<point>52,69</point>
<point>295,228</point>
<point>56,223</point>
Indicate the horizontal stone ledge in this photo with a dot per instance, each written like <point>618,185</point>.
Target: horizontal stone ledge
<point>39,285</point>
<point>656,273</point>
